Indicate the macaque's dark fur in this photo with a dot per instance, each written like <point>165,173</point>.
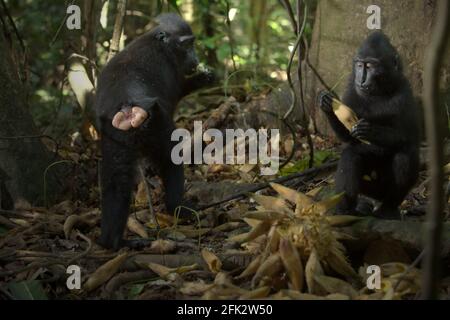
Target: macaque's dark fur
<point>150,73</point>
<point>391,125</point>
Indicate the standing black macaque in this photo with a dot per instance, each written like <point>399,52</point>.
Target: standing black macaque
<point>137,94</point>
<point>381,97</point>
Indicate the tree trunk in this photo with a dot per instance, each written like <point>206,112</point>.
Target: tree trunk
<point>341,26</point>
<point>23,156</point>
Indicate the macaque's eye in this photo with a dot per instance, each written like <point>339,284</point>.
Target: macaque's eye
<point>359,64</point>
<point>162,36</point>
<point>369,65</point>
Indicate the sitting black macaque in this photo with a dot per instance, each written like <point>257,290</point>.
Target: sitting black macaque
<point>381,97</point>
<point>137,94</point>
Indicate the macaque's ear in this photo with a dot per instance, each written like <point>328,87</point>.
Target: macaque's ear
<point>162,36</point>
<point>186,41</point>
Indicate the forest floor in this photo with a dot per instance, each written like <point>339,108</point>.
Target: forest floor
<point>279,243</point>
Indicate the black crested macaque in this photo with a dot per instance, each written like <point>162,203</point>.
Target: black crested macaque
<point>381,97</point>
<point>138,91</point>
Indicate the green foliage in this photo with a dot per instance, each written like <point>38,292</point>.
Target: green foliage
<point>27,290</point>
<point>135,291</point>
<point>320,157</point>
<point>258,42</point>
<point>3,230</point>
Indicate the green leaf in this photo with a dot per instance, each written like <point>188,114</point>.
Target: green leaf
<point>3,230</point>
<point>27,290</point>
<point>135,290</point>
<point>319,158</point>
<point>174,4</point>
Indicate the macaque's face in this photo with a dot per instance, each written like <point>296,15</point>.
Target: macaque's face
<point>185,50</point>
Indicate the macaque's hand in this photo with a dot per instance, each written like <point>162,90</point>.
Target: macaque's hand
<point>128,118</point>
<point>205,75</point>
<point>325,100</point>
<point>209,76</point>
<point>362,130</point>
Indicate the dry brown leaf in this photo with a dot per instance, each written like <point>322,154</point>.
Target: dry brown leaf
<point>342,220</point>
<point>229,226</point>
<point>169,273</point>
<point>223,279</point>
<point>258,293</point>
<point>260,229</point>
<point>239,238</point>
<point>141,197</point>
<point>273,204</point>
<point>335,285</point>
<point>195,288</point>
<point>104,272</point>
<point>161,246</point>
<point>66,207</point>
<point>136,227</point>
<point>292,263</point>
<point>193,233</point>
<point>75,220</point>
<point>313,268</point>
<point>70,223</point>
<point>265,215</point>
<point>447,168</point>
<point>251,268</point>
<point>339,263</point>
<point>373,296</point>
<point>21,222</point>
<point>164,220</point>
<point>273,241</point>
<point>389,269</point>
<point>295,295</point>
<point>314,192</point>
<point>251,222</point>
<point>22,204</point>
<point>159,269</point>
<point>247,168</point>
<point>184,269</point>
<point>293,196</point>
<point>213,262</point>
<point>217,168</point>
<point>271,266</point>
<point>337,296</point>
<point>327,204</point>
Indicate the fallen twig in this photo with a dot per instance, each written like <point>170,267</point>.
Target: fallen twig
<point>304,174</point>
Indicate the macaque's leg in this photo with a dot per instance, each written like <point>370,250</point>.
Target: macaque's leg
<point>117,180</point>
<point>348,180</point>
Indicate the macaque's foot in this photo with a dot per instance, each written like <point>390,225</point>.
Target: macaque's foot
<point>344,212</point>
<point>364,208</point>
<point>387,212</point>
<point>136,244</point>
<point>346,207</point>
<point>128,118</point>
